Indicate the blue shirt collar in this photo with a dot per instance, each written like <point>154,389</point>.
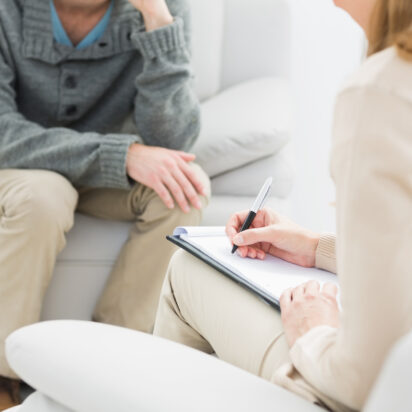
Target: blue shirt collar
<point>61,36</point>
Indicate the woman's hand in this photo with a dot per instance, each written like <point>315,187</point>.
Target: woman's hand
<point>155,13</point>
<point>168,173</point>
<point>273,234</point>
<point>307,307</point>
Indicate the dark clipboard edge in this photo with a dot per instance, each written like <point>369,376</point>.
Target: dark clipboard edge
<point>263,295</point>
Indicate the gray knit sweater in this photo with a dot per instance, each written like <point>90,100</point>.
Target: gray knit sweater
<point>65,110</point>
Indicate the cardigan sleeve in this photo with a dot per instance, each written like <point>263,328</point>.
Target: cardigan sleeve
<point>326,253</point>
<point>372,169</point>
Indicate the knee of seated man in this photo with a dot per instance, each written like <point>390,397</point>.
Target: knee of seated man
<point>204,179</point>
<point>158,210</point>
<point>43,199</point>
<point>194,216</point>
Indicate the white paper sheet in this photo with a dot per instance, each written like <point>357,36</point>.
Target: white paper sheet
<point>272,274</point>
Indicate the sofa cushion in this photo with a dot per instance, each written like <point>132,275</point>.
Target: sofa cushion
<point>279,166</point>
<point>89,367</point>
<point>243,124</point>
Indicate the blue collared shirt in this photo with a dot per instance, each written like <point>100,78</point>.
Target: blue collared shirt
<point>61,36</point>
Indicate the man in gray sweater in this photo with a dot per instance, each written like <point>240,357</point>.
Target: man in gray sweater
<point>96,104</point>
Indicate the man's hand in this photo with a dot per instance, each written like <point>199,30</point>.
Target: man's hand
<point>307,307</point>
<point>155,13</point>
<point>167,172</point>
<point>273,234</point>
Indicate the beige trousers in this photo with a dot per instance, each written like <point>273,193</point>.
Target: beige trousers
<point>201,308</point>
<point>37,210</point>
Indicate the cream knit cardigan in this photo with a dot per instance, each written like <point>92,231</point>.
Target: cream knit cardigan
<point>372,169</point>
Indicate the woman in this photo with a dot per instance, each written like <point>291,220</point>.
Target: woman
<point>329,357</point>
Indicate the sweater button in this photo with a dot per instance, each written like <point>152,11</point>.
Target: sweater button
<point>71,110</point>
<point>70,82</point>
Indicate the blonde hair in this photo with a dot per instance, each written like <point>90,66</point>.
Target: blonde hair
<point>391,25</point>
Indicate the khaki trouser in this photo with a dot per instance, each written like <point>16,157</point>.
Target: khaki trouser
<point>201,308</point>
<point>37,209</point>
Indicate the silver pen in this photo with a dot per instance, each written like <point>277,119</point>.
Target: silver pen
<point>257,205</point>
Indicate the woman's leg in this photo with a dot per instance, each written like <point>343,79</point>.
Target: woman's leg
<point>201,308</point>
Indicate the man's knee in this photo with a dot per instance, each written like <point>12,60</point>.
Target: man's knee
<point>148,206</point>
<point>204,180</point>
<point>40,199</point>
<point>194,216</point>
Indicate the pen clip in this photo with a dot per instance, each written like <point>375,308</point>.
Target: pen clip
<point>263,195</point>
<point>265,198</point>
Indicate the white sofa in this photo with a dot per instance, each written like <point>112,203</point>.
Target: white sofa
<point>88,367</point>
<point>241,58</point>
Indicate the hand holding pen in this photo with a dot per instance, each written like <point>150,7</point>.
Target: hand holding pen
<point>247,220</point>
<point>273,234</point>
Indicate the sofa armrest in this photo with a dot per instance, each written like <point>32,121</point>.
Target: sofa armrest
<point>86,366</point>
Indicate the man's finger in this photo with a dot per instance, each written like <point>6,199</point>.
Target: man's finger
<point>192,177</point>
<point>330,289</point>
<point>252,236</point>
<point>188,189</point>
<point>187,157</point>
<point>164,194</point>
<point>176,192</point>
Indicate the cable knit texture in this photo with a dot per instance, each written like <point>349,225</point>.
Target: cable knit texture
<point>65,110</point>
<point>326,253</point>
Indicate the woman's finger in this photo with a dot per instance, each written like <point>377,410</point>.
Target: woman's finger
<point>330,289</point>
<point>298,292</point>
<point>312,287</point>
<point>286,298</point>
<point>252,236</point>
<point>235,222</point>
<point>255,253</point>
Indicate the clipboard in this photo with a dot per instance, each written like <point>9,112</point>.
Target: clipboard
<point>193,250</point>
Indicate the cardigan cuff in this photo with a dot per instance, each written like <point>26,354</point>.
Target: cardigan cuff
<point>113,155</point>
<point>155,43</point>
<point>326,253</point>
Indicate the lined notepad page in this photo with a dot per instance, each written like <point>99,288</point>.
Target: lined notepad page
<point>272,274</point>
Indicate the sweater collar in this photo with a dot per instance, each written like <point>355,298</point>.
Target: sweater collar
<point>39,44</point>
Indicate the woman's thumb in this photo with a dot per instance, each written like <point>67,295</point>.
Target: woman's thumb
<point>252,236</point>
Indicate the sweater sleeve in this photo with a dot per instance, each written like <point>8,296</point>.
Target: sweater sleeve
<point>326,253</point>
<point>166,109</point>
<point>371,165</point>
<point>85,159</point>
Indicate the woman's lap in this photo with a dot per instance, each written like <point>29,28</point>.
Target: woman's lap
<point>201,308</point>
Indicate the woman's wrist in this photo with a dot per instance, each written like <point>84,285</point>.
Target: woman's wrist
<point>312,242</point>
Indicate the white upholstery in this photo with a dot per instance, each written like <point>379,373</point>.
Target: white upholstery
<point>392,391</point>
<point>100,368</point>
<point>236,43</point>
<point>90,367</point>
<point>236,40</point>
<point>243,124</point>
<point>257,40</point>
<point>207,17</point>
